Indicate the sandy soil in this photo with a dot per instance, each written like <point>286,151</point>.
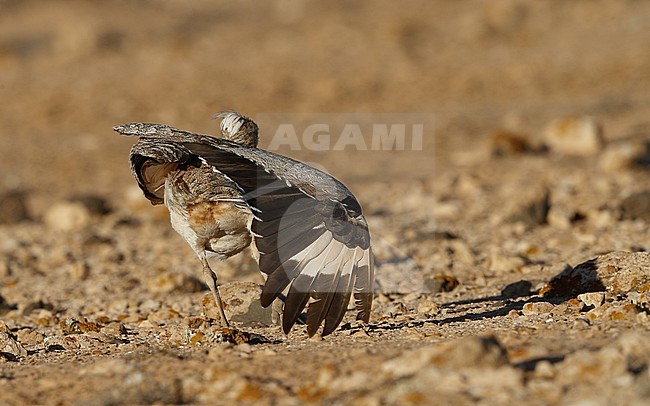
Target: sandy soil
<point>476,235</point>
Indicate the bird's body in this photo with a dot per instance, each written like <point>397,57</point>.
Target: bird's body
<point>305,227</point>
<point>208,211</point>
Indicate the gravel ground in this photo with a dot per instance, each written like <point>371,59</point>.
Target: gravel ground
<point>512,250</point>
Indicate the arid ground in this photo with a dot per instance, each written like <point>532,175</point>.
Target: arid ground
<point>511,250</point>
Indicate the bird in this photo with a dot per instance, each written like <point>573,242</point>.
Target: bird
<point>306,230</point>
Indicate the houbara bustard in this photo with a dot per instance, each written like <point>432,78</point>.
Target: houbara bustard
<point>305,228</point>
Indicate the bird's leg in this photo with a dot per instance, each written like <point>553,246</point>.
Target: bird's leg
<point>211,279</point>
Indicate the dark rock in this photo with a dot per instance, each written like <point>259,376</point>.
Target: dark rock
<point>517,289</point>
<point>637,206</point>
<point>504,143</point>
<point>441,283</point>
<point>643,159</point>
<point>535,211</point>
<point>13,207</point>
<point>96,205</point>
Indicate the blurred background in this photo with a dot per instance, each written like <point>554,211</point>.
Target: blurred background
<point>71,70</point>
<point>538,157</point>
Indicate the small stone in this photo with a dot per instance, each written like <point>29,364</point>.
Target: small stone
<point>637,206</point>
<point>396,309</point>
<point>242,304</point>
<point>428,307</point>
<point>67,216</point>
<point>78,326</point>
<point>13,207</point>
<point>578,136</point>
<point>197,338</point>
<point>641,300</point>
<point>535,308</point>
<point>534,212</point>
<point>29,337</point>
<point>4,306</point>
<point>360,334</point>
<point>517,289</point>
<point>245,348</point>
<point>595,299</point>
<point>504,143</point>
<point>620,156</point>
<point>149,306</point>
<point>500,263</point>
<point>163,316</point>
<point>147,324</point>
<point>167,282</point>
<point>441,283</point>
<point>9,347</point>
<point>544,369</point>
<point>180,336</point>
<point>78,271</point>
<point>96,205</point>
<point>28,308</point>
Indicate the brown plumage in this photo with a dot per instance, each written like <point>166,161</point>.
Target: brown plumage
<point>305,227</point>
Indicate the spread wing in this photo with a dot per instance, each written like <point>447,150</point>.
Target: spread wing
<point>309,230</point>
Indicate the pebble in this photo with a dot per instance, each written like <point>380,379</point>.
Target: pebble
<point>517,289</point>
<point>9,345</point>
<point>13,207</point>
<point>242,304</point>
<point>67,216</point>
<point>620,156</point>
<point>59,343</point>
<point>180,336</point>
<point>641,300</point>
<point>441,283</point>
<point>544,369</point>
<point>595,299</point>
<point>147,324</point>
<point>498,263</point>
<point>78,271</point>
<point>637,206</point>
<point>534,211</point>
<point>504,143</point>
<point>428,307</point>
<point>96,205</point>
<point>535,308</point>
<point>4,306</point>
<point>578,136</point>
<point>29,337</point>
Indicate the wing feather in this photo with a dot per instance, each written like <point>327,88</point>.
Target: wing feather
<point>308,228</point>
<point>280,277</point>
<point>310,278</point>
